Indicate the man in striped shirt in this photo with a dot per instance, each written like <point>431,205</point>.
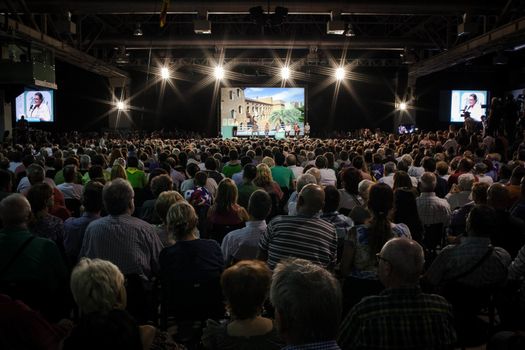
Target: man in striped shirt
<point>303,236</point>
<point>128,242</point>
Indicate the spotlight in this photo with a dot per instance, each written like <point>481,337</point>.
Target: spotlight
<point>285,73</point>
<point>165,73</point>
<point>340,73</point>
<point>121,105</point>
<point>402,106</point>
<point>350,31</point>
<point>219,73</point>
<point>138,30</point>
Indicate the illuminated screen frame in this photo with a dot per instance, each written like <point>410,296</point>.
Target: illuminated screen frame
<point>246,129</point>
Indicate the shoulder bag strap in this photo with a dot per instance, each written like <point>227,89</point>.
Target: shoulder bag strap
<point>478,264</point>
<point>16,255</point>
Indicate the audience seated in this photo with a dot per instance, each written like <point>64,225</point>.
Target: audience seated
<point>75,228</point>
<point>242,244</point>
<point>99,291</point>
<point>509,232</point>
<point>431,209</point>
<point>359,265</point>
<point>245,286</point>
<point>473,262</point>
<point>33,269</point>
<point>128,242</point>
<point>158,184</point>
<point>247,187</point>
<point>345,170</point>
<point>402,316</point>
<point>313,238</point>
<point>307,302</point>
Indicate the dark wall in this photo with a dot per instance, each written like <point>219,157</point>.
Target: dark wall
<point>496,79</point>
<point>364,101</point>
<point>81,101</point>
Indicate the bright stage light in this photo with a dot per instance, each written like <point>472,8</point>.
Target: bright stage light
<point>340,73</point>
<point>285,73</point>
<point>403,106</point>
<point>219,73</point>
<point>121,105</point>
<point>165,73</point>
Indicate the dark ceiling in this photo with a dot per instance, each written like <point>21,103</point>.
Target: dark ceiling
<point>386,32</point>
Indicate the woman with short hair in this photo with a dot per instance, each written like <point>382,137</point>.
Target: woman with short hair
<point>245,286</point>
<point>98,287</point>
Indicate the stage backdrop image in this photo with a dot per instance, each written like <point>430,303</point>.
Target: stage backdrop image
<point>260,111</point>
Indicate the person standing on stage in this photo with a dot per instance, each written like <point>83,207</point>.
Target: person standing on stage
<point>255,129</point>
<point>39,110</point>
<point>287,129</point>
<point>296,129</point>
<point>307,130</point>
<point>266,129</point>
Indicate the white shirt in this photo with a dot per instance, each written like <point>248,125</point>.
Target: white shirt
<point>328,177</point>
<point>40,112</point>
<point>243,243</point>
<point>297,170</point>
<point>388,179</point>
<point>71,190</point>
<point>475,111</point>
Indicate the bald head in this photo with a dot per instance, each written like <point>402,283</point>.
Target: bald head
<point>15,210</point>
<point>498,196</point>
<point>405,259</point>
<point>311,200</point>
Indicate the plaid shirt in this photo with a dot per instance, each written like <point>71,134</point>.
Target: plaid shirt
<point>432,209</point>
<point>403,318</point>
<point>323,345</point>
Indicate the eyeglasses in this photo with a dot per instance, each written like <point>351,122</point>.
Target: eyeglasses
<point>379,258</point>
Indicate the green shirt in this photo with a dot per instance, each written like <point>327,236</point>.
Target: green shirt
<point>39,261</point>
<point>59,178</point>
<point>283,176</point>
<point>137,178</point>
<point>245,191</point>
<point>229,169</point>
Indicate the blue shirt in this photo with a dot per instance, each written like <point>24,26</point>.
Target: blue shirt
<point>74,229</point>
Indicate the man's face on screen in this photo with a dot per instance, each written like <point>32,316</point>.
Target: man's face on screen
<point>471,101</point>
<point>38,100</point>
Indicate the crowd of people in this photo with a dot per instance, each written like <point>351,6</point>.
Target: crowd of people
<point>377,241</point>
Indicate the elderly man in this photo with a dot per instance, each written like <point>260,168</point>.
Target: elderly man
<point>431,209</point>
<point>459,199</point>
<point>128,242</point>
<point>388,178</point>
<point>28,259</point>
<point>302,181</point>
<point>304,235</point>
<point>307,301</point>
<point>401,317</point>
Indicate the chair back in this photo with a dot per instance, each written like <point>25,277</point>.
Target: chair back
<point>190,300</point>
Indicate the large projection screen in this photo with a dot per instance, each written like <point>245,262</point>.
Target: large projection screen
<point>262,111</point>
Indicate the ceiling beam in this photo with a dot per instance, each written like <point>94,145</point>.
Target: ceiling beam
<point>369,7</point>
<point>356,43</point>
<point>63,51</point>
<point>507,35</point>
